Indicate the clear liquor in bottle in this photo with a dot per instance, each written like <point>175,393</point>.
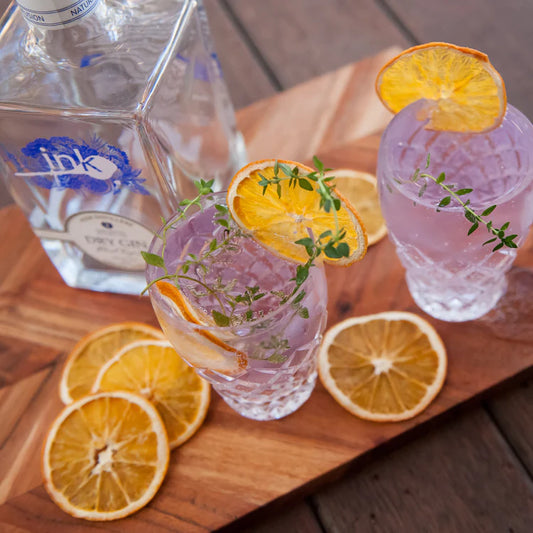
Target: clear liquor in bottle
<point>109,110</point>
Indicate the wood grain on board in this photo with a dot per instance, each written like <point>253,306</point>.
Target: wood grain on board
<point>319,115</point>
<point>5,197</point>
<point>233,466</point>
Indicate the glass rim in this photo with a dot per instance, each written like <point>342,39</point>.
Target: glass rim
<point>272,315</point>
<point>410,190</point>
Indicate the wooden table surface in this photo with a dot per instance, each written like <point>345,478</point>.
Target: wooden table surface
<point>474,472</point>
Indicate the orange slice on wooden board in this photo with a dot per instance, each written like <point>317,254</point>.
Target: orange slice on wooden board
<point>278,221</point>
<point>94,350</point>
<point>464,91</point>
<point>200,347</point>
<point>154,370</point>
<point>360,189</point>
<point>384,367</point>
<point>105,456</point>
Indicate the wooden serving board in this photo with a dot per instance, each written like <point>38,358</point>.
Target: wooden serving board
<point>235,466</point>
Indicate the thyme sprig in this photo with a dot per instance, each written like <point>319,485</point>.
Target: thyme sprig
<point>219,291</point>
<point>331,243</point>
<point>204,188</point>
<point>475,219</point>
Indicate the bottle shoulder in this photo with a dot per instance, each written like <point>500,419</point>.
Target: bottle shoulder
<point>106,65</point>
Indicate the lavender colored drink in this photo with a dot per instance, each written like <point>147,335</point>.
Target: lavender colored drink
<point>450,274</point>
<point>263,362</point>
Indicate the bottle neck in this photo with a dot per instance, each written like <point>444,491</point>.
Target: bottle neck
<point>61,39</point>
<point>46,15</point>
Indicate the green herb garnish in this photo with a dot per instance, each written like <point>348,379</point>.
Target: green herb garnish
<point>331,243</point>
<point>499,234</point>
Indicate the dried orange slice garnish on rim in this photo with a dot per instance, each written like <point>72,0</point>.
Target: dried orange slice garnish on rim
<point>464,91</point>
<point>105,456</point>
<point>93,351</point>
<point>204,349</point>
<point>360,189</point>
<point>154,370</point>
<point>385,367</point>
<point>277,221</point>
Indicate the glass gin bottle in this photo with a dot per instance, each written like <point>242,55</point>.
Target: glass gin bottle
<point>109,110</point>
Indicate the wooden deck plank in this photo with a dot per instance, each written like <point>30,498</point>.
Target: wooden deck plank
<point>500,29</point>
<point>298,518</point>
<point>247,82</point>
<point>513,412</point>
<point>300,39</point>
<point>462,477</point>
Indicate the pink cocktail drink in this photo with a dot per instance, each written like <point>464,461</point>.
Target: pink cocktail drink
<point>452,275</point>
<point>255,342</point>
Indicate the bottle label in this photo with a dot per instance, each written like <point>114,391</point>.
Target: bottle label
<point>55,14</point>
<point>64,163</point>
<point>113,240</point>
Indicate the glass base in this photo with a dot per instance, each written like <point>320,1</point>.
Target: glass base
<point>269,392</point>
<point>454,304</point>
<point>274,404</point>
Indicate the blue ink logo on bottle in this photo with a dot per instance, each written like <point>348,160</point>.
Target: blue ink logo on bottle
<point>62,163</point>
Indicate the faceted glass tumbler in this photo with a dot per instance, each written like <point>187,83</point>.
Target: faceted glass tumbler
<point>452,275</point>
<point>265,368</point>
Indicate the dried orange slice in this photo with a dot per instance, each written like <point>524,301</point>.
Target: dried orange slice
<point>384,367</point>
<point>464,91</point>
<point>181,304</point>
<point>360,189</point>
<point>105,456</point>
<point>95,349</point>
<point>154,370</point>
<point>278,221</point>
<point>199,346</point>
